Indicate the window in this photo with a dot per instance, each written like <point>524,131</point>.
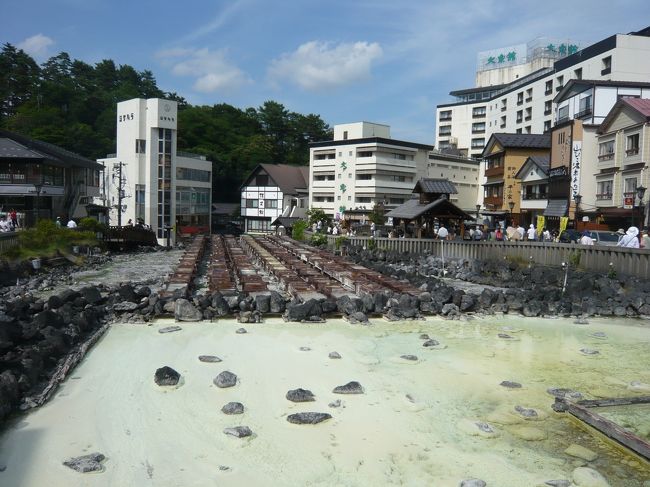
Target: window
<point>527,129</point>
<point>139,201</point>
<point>504,104</point>
<point>519,130</point>
<point>478,128</point>
<point>529,94</point>
<point>270,203</point>
<point>444,130</point>
<point>561,137</point>
<point>585,107</point>
<point>350,153</point>
<point>339,175</point>
<point>529,113</point>
<point>401,157</point>
<point>321,157</point>
<point>547,125</point>
<point>396,201</point>
<point>478,112</point>
<point>604,190</point>
<point>262,180</point>
<point>563,113</point>
<point>338,198</point>
<point>140,146</point>
<point>345,135</point>
<point>520,98</point>
<point>364,154</point>
<point>445,116</point>
<point>362,199</point>
<point>606,150</point>
<point>520,116</point>
<point>257,225</point>
<point>192,174</point>
<point>548,107</point>
<point>350,175</point>
<point>548,87</point>
<point>252,203</point>
<point>630,186</point>
<point>364,177</point>
<point>560,82</point>
<point>632,145</point>
<point>324,177</point>
<point>503,122</point>
<point>349,198</point>
<point>606,66</point>
<point>478,143</point>
<point>577,73</point>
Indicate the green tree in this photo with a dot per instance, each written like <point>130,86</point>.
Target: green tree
<point>315,215</point>
<point>377,215</point>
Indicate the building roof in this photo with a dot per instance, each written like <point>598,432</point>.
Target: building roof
<point>439,186</point>
<point>285,221</point>
<point>640,105</point>
<point>542,162</point>
<point>288,178</point>
<point>16,146</point>
<point>441,207</point>
<point>574,86</point>
<point>371,140</point>
<point>518,141</point>
<point>478,89</point>
<point>224,208</point>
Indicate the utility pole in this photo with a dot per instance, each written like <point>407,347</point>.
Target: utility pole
<point>120,190</point>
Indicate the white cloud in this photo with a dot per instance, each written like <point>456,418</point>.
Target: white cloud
<point>212,70</point>
<point>36,46</point>
<point>316,66</point>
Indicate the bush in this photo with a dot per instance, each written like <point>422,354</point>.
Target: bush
<point>318,239</point>
<point>339,242</point>
<point>372,245</point>
<point>89,224</point>
<point>298,230</point>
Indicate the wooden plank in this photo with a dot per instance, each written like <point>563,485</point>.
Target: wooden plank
<point>616,401</point>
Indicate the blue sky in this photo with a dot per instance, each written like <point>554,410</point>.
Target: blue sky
<point>381,61</point>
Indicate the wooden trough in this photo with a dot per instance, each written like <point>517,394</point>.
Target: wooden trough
<point>584,411</point>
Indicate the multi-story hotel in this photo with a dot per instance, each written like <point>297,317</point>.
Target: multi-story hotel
<point>516,87</point>
<point>363,166</point>
<point>465,173</point>
<point>148,179</point>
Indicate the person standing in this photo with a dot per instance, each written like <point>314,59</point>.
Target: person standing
<point>521,232</point>
<point>498,234</point>
<point>443,233</point>
<point>645,239</point>
<point>630,239</point>
<point>14,218</point>
<point>531,233</point>
<point>586,239</point>
<point>58,222</point>
<point>546,235</point>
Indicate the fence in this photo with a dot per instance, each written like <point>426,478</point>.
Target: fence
<point>631,262</point>
<point>8,240</point>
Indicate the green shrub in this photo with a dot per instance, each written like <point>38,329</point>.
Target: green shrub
<point>339,242</point>
<point>298,230</point>
<point>372,245</point>
<point>90,224</point>
<point>318,239</point>
<point>574,258</point>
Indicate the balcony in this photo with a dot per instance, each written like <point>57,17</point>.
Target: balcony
<point>479,115</point>
<point>494,171</point>
<point>584,113</point>
<point>603,196</point>
<point>632,152</point>
<point>478,131</point>
<point>445,119</point>
<point>606,157</point>
<point>496,201</point>
<point>535,196</point>
<point>528,117</point>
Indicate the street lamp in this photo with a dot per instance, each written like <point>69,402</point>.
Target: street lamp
<point>640,191</point>
<point>478,208</point>
<point>578,199</point>
<point>511,205</point>
<point>38,188</point>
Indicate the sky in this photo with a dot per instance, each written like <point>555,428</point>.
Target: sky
<point>383,61</point>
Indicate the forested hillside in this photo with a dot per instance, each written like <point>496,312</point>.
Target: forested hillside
<point>73,104</point>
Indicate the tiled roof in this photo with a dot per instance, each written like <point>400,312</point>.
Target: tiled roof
<point>543,162</point>
<point>413,208</point>
<point>288,178</point>
<point>523,141</point>
<point>641,105</point>
<point>12,149</point>
<point>439,186</point>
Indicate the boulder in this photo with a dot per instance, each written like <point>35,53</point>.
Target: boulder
<point>300,395</point>
<point>125,306</point>
<point>233,408</point>
<point>302,311</point>
<point>467,302</point>
<point>186,311</point>
<point>241,331</point>
<point>358,317</point>
<point>348,305</point>
<point>328,306</point>
<point>220,304</point>
<point>86,463</point>
<point>368,303</point>
<point>47,318</point>
<point>166,376</point>
<point>225,379</point>
<point>308,418</point>
<point>127,293</point>
<point>277,303</point>
<point>334,355</point>
<point>588,477</point>
<point>91,294</point>
<point>8,393</point>
<point>352,387</point>
<point>54,302</point>
<point>238,431</point>
<point>449,308</point>
<point>169,329</point>
<point>263,303</point>
<point>431,343</point>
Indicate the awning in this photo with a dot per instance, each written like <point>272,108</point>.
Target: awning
<point>493,213</point>
<point>556,208</point>
<point>492,183</point>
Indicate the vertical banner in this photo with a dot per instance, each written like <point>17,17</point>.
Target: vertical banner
<point>540,225</point>
<point>576,163</point>
<point>564,220</point>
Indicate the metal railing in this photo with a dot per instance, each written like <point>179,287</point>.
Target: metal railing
<point>623,261</point>
<point>8,240</point>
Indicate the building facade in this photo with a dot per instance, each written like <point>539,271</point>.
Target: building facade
<point>41,180</point>
<point>362,167</point>
<point>533,177</point>
<point>272,191</point>
<point>527,104</point>
<point>149,180</point>
<point>463,172</point>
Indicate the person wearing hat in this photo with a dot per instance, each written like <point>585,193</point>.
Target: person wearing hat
<point>58,222</point>
<point>620,232</point>
<point>630,239</point>
<point>586,239</point>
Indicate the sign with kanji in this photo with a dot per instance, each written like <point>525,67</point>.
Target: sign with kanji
<point>628,201</point>
<point>576,164</point>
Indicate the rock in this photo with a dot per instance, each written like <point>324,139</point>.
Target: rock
<point>86,463</point>
<point>9,393</point>
<point>348,305</point>
<point>54,302</point>
<point>412,358</point>
<point>349,388</point>
<point>472,483</point>
<point>358,317</point>
<point>300,395</point>
<point>305,349</point>
<point>525,412</point>
<point>334,355</point>
<point>127,293</point>
<point>170,329</point>
<point>599,335</point>
<point>563,393</point>
<point>209,359</point>
<point>588,477</point>
<point>424,336</point>
<point>477,428</point>
<point>125,306</point>
<point>91,294</point>
<point>335,404</point>
<point>308,418</point>
<point>558,483</point>
<point>581,452</point>
<point>277,303</point>
<point>467,302</point>
<point>220,305</point>
<point>233,408</point>
<point>300,312</point>
<point>510,384</point>
<point>47,318</point>
<point>186,311</point>
<point>431,343</point>
<point>368,303</point>
<point>238,431</point>
<point>169,306</point>
<point>241,331</point>
<point>589,351</point>
<point>505,336</point>
<point>263,303</point>
<point>225,379</point>
<point>166,376</point>
<point>484,427</point>
<point>448,309</point>
<point>581,321</point>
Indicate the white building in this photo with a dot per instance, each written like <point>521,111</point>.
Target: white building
<point>533,175</point>
<point>363,166</point>
<point>272,191</point>
<point>526,104</point>
<point>464,172</point>
<point>166,189</point>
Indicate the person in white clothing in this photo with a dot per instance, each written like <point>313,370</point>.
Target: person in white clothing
<point>521,232</point>
<point>531,233</point>
<point>630,239</point>
<point>442,233</point>
<point>586,239</point>
<point>72,224</point>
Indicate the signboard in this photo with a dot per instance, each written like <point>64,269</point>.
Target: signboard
<point>540,224</point>
<point>557,172</point>
<point>564,220</point>
<point>628,201</point>
<point>576,164</point>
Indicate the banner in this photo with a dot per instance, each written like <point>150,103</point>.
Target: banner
<point>564,220</point>
<point>540,225</point>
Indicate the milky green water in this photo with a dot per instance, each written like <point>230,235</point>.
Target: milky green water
<point>415,424</point>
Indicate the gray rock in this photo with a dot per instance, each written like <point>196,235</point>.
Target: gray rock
<point>277,303</point>
<point>220,305</point>
<point>263,303</point>
<point>308,418</point>
<point>125,306</point>
<point>505,336</point>
<point>9,392</point>
<point>301,311</point>
<point>334,355</point>
<point>225,379</point>
<point>233,408</point>
<point>209,359</point>
<point>598,334</point>
<point>91,294</point>
<point>86,463</point>
<point>169,329</point>
<point>510,384</point>
<point>472,483</point>
<point>305,349</point>
<point>166,376</point>
<point>241,331</point>
<point>412,358</point>
<point>467,302</point>
<point>300,395</point>
<point>589,351</point>
<point>186,311</point>
<point>525,412</point>
<point>558,483</point>
<point>350,388</point>
<point>431,343</point>
<point>581,321</point>
<point>335,404</point>
<point>424,336</point>
<point>484,427</point>
<point>449,308</point>
<point>358,317</point>
<point>564,393</point>
<point>238,431</point>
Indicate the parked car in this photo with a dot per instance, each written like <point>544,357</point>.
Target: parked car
<point>606,238</point>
